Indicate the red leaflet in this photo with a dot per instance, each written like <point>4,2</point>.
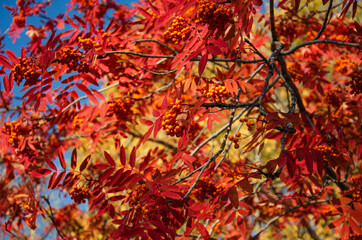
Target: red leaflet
<point>57,180</point>
<point>109,159</point>
<point>40,172</point>
<point>12,57</point>
<point>106,174</point>
<point>73,161</point>
<point>202,63</point>
<point>122,156</point>
<point>100,167</point>
<point>4,61</point>
<point>84,164</point>
<point>234,198</point>
<point>61,158</point>
<point>50,163</point>
<point>171,195</point>
<point>132,158</point>
<point>88,92</point>
<point>52,179</point>
<point>202,230</point>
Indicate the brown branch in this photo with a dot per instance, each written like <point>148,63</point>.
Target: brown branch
<point>311,42</point>
<point>51,216</point>
<point>325,21</point>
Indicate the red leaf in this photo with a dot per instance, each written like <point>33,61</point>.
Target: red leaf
<point>73,161</point>
<point>132,158</point>
<point>122,156</point>
<point>202,63</point>
<point>354,226</point>
<point>51,180</point>
<point>230,218</point>
<point>171,195</point>
<point>202,230</point>
<point>88,92</point>
<point>40,172</point>
<point>214,50</point>
<point>84,163</point>
<point>70,21</point>
<point>337,222</point>
<point>116,177</point>
<point>89,79</point>
<point>233,196</point>
<point>5,62</point>
<point>50,164</point>
<point>106,174</point>
<point>61,159</point>
<point>246,186</point>
<point>12,57</point>
<point>100,167</point>
<point>59,178</point>
<point>109,159</point>
<point>111,211</point>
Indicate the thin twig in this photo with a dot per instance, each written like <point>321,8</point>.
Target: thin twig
<point>325,21</point>
<point>51,216</point>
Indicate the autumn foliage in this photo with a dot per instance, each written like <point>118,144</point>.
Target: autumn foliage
<point>182,120</point>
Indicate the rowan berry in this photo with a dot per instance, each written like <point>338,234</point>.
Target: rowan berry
<point>25,69</point>
<point>178,31</point>
<point>78,122</point>
<point>334,97</point>
<point>170,123</point>
<point>355,82</point>
<point>88,43</point>
<point>122,107</point>
<point>216,93</point>
<point>13,129</point>
<point>217,16</point>
<point>79,194</point>
<point>206,188</point>
<point>343,65</point>
<point>73,59</point>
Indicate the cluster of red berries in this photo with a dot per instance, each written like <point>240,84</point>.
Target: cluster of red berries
<point>178,31</point>
<point>30,217</point>
<point>25,69</point>
<point>169,121</point>
<point>13,129</point>
<point>79,194</point>
<point>142,209</point>
<point>19,20</point>
<point>78,122</point>
<point>333,97</point>
<point>215,15</point>
<point>327,151</point>
<point>73,59</point>
<point>356,190</point>
<point>343,65</point>
<point>206,188</point>
<point>249,123</point>
<point>122,107</point>
<point>88,44</point>
<point>235,139</point>
<point>356,80</point>
<point>217,93</point>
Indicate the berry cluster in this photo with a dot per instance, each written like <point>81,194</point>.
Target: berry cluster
<point>19,20</point>
<point>73,59</point>
<point>27,207</point>
<point>206,188</point>
<point>356,80</point>
<point>88,44</point>
<point>13,129</point>
<point>327,151</point>
<point>249,123</point>
<point>215,15</point>
<point>343,65</point>
<point>178,31</point>
<point>356,190</point>
<point>169,121</point>
<point>217,93</point>
<point>122,107</point>
<point>333,97</point>
<point>142,209</point>
<point>78,122</point>
<point>25,69</point>
<point>235,139</point>
<point>79,194</point>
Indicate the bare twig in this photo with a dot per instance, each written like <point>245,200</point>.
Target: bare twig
<point>51,216</point>
<point>325,21</point>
